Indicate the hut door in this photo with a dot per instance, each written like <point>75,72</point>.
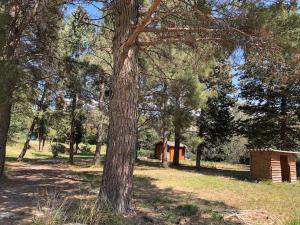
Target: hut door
<point>285,168</point>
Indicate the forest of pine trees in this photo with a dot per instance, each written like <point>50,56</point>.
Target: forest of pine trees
<point>134,73</point>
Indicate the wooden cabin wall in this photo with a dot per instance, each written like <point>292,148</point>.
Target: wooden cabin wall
<point>159,151</point>
<point>276,167</point>
<point>293,170</point>
<point>181,153</point>
<point>260,165</point>
<point>171,153</point>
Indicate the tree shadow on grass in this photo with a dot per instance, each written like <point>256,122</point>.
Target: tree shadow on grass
<point>31,184</point>
<point>153,205</point>
<point>83,161</point>
<point>168,206</point>
<point>27,185</point>
<point>231,173</point>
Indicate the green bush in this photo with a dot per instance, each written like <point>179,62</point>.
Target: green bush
<point>144,153</point>
<point>216,216</point>
<point>187,210</point>
<point>86,149</point>
<point>57,148</point>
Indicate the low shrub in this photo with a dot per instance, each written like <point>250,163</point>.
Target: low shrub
<point>86,149</point>
<point>144,153</point>
<point>187,210</point>
<point>216,216</point>
<point>57,148</point>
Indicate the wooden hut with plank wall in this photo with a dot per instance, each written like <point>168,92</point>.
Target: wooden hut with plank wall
<point>171,148</point>
<point>279,166</point>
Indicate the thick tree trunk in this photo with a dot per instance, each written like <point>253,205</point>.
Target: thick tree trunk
<point>177,146</point>
<point>73,129</point>
<point>100,131</point>
<point>198,156</point>
<point>8,83</point>
<point>5,112</point>
<point>117,181</point>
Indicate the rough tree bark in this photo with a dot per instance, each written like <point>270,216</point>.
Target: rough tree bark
<point>8,84</point>
<point>118,169</point>
<point>100,131</point>
<point>73,129</point>
<point>177,137</point>
<point>5,112</point>
<point>35,119</point>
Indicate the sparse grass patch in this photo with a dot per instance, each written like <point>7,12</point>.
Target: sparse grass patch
<point>57,212</point>
<point>267,182</point>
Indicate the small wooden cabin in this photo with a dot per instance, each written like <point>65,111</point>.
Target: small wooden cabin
<point>171,148</point>
<point>279,166</point>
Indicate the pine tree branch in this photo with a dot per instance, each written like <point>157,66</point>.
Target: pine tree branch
<point>141,25</point>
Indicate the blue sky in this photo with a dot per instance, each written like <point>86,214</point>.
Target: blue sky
<point>92,9</point>
<point>236,59</point>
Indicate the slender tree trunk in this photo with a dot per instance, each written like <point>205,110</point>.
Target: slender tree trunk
<point>283,125</point>
<point>5,112</point>
<point>35,119</point>
<point>177,146</point>
<point>165,144</point>
<point>41,135</point>
<point>198,156</point>
<point>40,143</point>
<point>117,181</point>
<point>43,143</point>
<point>76,148</point>
<point>165,150</point>
<point>100,131</point>
<point>98,147</point>
<point>29,135</point>
<point>73,129</point>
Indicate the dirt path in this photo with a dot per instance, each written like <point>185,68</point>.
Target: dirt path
<point>28,185</point>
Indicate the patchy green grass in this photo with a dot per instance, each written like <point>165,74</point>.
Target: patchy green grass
<point>293,222</point>
<point>228,184</point>
<point>208,196</point>
<point>14,149</point>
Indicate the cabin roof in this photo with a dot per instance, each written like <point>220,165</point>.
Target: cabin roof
<point>273,150</point>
